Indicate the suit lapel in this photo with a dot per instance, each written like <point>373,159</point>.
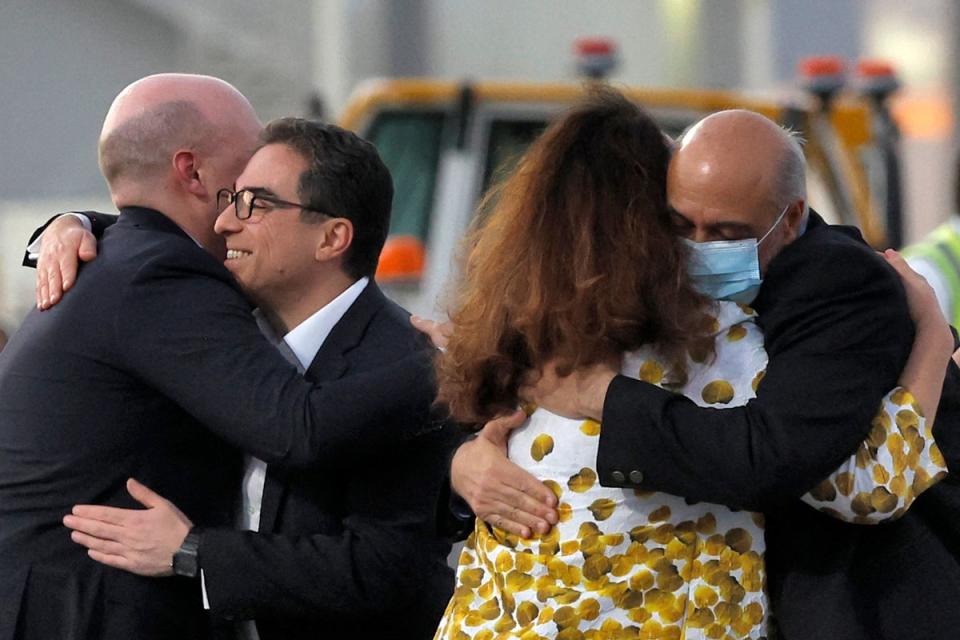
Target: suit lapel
<point>331,362</point>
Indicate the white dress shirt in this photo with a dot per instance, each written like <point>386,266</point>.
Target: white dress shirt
<point>303,342</point>
<point>300,346</point>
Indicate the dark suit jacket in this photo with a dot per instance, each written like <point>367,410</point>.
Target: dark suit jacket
<point>838,332</point>
<point>116,381</point>
<point>349,549</point>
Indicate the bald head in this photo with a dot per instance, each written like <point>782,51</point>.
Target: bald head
<point>732,175</point>
<point>170,142</point>
<point>153,118</point>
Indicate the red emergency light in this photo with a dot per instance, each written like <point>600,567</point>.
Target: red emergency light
<point>596,56</point>
<point>822,75</point>
<point>872,67</point>
<point>819,66</point>
<point>877,78</point>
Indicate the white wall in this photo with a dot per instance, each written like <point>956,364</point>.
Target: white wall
<point>61,63</point>
<point>661,42</point>
<point>533,38</point>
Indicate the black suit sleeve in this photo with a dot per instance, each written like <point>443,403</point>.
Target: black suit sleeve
<point>377,563</point>
<point>837,334</point>
<point>98,222</point>
<point>366,570</point>
<point>946,428</point>
<point>386,557</point>
<point>188,333</point>
<point>455,518</point>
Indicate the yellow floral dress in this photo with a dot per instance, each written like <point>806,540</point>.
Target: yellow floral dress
<point>629,564</point>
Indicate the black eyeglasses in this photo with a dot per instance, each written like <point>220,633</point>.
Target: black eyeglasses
<point>251,206</point>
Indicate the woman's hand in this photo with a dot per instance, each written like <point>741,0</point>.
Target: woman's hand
<point>932,344</point>
<point>924,308</point>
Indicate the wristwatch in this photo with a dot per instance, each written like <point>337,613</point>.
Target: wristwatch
<point>186,561</point>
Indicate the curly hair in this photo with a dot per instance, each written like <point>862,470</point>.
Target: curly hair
<point>576,261</point>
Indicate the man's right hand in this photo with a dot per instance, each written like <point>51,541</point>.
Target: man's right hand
<point>63,245</point>
<point>579,395</point>
<point>141,541</point>
<point>497,490</point>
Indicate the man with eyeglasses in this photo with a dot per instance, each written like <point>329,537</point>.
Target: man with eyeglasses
<point>156,347</point>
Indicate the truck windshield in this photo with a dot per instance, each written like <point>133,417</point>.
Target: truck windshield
<point>409,143</point>
<point>508,141</point>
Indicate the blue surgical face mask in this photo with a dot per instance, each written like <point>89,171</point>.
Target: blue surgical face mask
<point>728,269</point>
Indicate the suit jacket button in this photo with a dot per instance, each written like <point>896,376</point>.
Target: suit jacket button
<point>618,477</point>
<point>636,477</point>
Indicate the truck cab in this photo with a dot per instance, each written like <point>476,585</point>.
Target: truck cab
<point>446,143</point>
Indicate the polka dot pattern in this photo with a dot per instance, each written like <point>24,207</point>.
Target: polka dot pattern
<point>622,563</point>
<point>897,462</point>
<point>628,563</point>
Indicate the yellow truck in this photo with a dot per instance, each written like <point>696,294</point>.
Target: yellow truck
<point>446,142</point>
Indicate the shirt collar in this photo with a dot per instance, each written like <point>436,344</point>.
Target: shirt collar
<point>199,244</point>
<point>307,337</point>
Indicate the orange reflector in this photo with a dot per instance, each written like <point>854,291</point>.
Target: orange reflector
<point>818,66</point>
<point>402,258</point>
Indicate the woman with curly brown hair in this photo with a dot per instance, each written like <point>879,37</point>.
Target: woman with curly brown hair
<point>577,263</point>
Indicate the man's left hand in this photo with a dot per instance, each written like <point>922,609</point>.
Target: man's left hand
<point>141,541</point>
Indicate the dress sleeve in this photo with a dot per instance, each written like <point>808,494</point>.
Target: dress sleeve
<point>897,462</point>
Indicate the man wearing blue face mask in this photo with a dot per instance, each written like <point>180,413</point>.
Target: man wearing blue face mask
<point>728,269</point>
<point>837,332</point>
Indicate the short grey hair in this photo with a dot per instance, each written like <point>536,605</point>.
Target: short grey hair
<point>141,147</point>
<point>790,183</point>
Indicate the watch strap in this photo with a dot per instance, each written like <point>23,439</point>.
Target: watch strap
<point>186,560</point>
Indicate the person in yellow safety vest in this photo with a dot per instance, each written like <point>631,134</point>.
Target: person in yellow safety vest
<point>937,258</point>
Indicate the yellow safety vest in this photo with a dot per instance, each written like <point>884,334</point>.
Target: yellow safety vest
<point>942,248</point>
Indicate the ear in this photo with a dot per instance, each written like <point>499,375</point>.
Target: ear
<point>186,166</point>
<point>792,221</point>
<point>335,240</point>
